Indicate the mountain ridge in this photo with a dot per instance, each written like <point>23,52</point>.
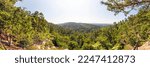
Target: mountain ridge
<point>81,26</point>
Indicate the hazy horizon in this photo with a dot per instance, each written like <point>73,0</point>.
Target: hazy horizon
<point>82,11</point>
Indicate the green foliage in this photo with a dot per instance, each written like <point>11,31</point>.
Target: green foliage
<point>126,6</point>
<point>88,47</point>
<point>27,27</point>
<point>32,31</point>
<point>73,45</point>
<point>23,43</point>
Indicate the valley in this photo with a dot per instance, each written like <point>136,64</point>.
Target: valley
<point>23,30</point>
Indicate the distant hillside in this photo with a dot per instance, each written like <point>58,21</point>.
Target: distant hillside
<point>81,26</point>
<point>101,25</point>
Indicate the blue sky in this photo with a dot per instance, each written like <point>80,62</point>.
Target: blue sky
<point>61,11</point>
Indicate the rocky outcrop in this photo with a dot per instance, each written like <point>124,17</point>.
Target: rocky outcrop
<point>6,38</point>
<point>6,42</point>
<point>145,46</point>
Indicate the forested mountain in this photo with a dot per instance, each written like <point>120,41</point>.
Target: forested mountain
<point>82,27</point>
<point>101,25</point>
<point>21,29</point>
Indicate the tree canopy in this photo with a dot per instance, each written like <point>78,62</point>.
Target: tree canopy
<point>126,6</point>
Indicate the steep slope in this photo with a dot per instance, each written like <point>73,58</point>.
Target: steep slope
<point>133,31</point>
<point>21,29</point>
